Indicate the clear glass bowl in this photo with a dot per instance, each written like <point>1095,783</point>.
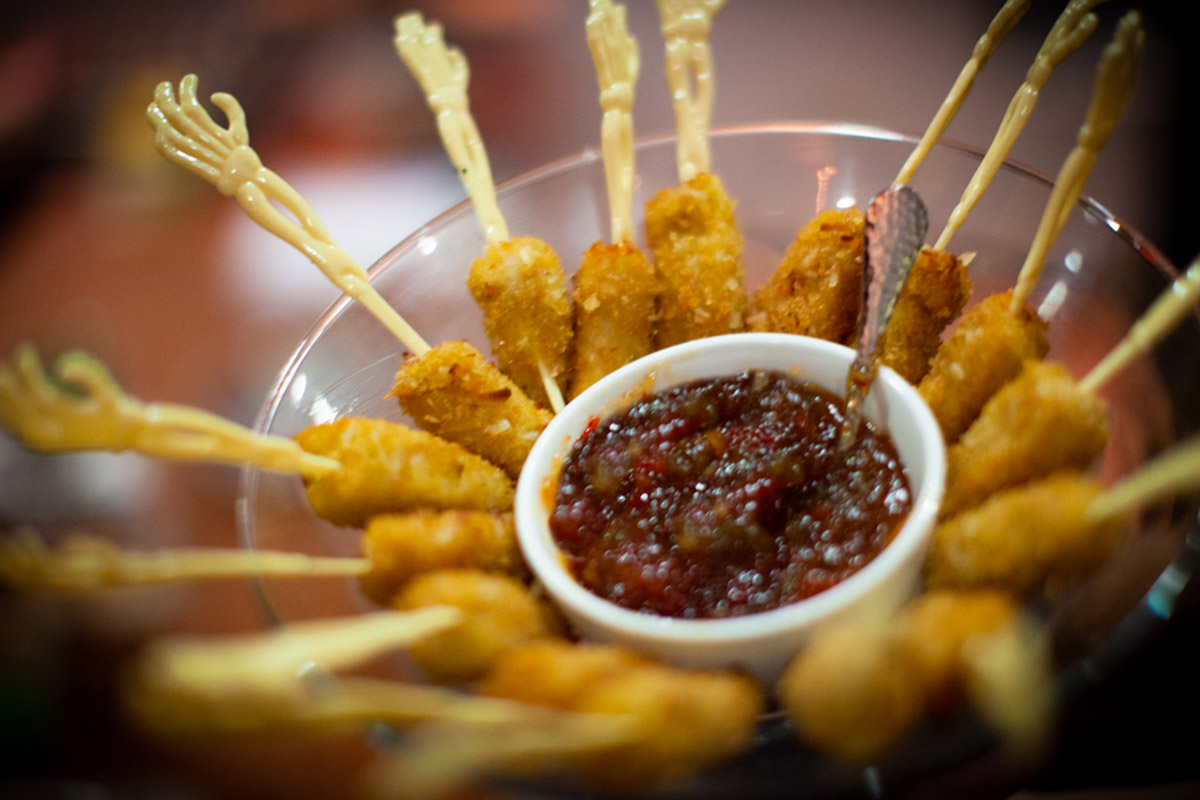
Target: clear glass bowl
<point>1099,277</point>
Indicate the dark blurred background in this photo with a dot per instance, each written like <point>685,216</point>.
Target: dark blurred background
<point>106,246</point>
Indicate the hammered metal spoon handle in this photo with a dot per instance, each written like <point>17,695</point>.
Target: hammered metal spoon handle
<point>896,223</point>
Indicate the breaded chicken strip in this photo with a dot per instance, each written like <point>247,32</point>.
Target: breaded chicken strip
<point>456,393</point>
<point>934,295</point>
<point>986,351</point>
<point>817,288</point>
<point>500,613</point>
<point>697,249</point>
<point>616,297</point>
<point>687,719</point>
<point>389,467</point>
<point>1039,423</point>
<point>520,285</point>
<point>1024,539</point>
<point>402,546</point>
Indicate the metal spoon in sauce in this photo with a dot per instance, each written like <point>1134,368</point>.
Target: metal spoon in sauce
<point>896,223</point>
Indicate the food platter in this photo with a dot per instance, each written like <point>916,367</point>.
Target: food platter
<point>1100,276</point>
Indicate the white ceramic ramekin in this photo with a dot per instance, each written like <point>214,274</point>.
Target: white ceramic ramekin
<point>762,643</point>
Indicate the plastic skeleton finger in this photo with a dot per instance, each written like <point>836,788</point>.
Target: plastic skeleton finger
<point>188,136</point>
<point>83,408</point>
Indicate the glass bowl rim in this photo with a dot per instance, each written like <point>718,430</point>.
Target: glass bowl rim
<point>1154,608</point>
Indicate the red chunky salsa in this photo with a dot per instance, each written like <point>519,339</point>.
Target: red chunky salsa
<point>724,497</point>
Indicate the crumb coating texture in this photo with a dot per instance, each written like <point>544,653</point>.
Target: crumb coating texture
<point>389,467</point>
<point>697,250</point>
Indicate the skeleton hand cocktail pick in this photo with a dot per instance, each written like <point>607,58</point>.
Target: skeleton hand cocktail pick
<point>519,282</point>
<point>83,408</point>
<point>188,136</point>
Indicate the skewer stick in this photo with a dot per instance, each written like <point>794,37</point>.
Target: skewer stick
<point>443,74</point>
<point>1072,29</point>
<point>553,393</point>
<point>279,678</point>
<point>81,407</point>
<point>1002,24</point>
<point>1110,95</point>
<point>83,563</point>
<point>1160,319</point>
<point>686,25</point>
<point>448,756</point>
<point>615,54</point>
<point>342,704</point>
<point>270,663</point>
<point>1175,472</point>
<point>188,136</point>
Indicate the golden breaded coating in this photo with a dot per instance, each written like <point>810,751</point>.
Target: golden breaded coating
<point>697,249</point>
<point>392,468</point>
<point>402,546</point>
<point>935,629</point>
<point>500,613</point>
<point>852,691</point>
<point>857,687</point>
<point>456,393</point>
<point>817,288</point>
<point>616,298</point>
<point>688,720</point>
<point>1024,539</point>
<point>1039,423</point>
<point>521,288</point>
<point>555,672</point>
<point>934,295</point>
<point>986,351</point>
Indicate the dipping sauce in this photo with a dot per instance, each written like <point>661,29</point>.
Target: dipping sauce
<point>725,497</point>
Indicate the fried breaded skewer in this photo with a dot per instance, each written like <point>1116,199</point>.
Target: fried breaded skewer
<point>400,547</point>
<point>396,548</point>
<point>499,613</point>
<point>1043,421</point>
<point>938,287</point>
<point>615,287</point>
<point>672,721</point>
<point>391,467</point>
<point>691,229</point>
<point>934,295</point>
<point>485,411</point>
<point>685,720</point>
<point>998,335</point>
<point>353,467</point>
<point>816,289</point>
<point>518,283</point>
<point>284,681</point>
<point>454,392</point>
<point>1042,535</point>
<point>857,687</point>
